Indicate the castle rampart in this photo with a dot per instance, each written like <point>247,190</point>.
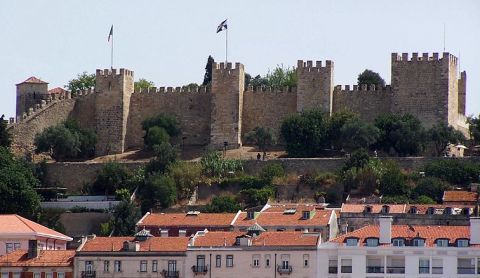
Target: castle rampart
<point>315,86</point>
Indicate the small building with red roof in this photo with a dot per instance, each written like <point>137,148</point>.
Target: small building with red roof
<point>17,231</point>
<point>460,197</point>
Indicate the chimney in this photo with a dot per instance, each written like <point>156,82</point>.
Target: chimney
<point>474,230</point>
<point>182,233</point>
<point>32,249</point>
<point>164,233</point>
<point>385,229</point>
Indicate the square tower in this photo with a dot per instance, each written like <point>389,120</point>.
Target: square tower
<point>314,86</point>
<point>112,104</point>
<point>30,92</point>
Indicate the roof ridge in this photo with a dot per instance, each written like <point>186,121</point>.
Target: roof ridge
<point>22,219</point>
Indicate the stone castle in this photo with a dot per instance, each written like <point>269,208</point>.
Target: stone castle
<point>427,87</point>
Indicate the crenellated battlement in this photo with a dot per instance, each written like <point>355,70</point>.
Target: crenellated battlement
<point>172,90</point>
<point>364,88</point>
<point>113,72</point>
<point>262,90</point>
<point>222,68</point>
<point>426,57</point>
<point>309,67</point>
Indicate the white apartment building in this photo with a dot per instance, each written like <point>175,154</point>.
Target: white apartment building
<point>410,251</point>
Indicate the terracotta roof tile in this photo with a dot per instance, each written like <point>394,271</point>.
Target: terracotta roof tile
<point>15,224</point>
<point>266,219</point>
<point>19,258</point>
<point>460,196</point>
<point>280,207</point>
<point>376,208</point>
<point>57,90</point>
<point>33,80</point>
<point>422,209</point>
<point>218,239</point>
<point>429,233</point>
<point>184,220</point>
<point>154,244</point>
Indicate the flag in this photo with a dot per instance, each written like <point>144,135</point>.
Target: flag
<point>222,26</point>
<point>110,35</point>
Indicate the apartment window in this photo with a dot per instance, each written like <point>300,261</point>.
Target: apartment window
<point>60,275</point>
<point>172,266</point>
<point>385,209</point>
<point>35,275</point>
<point>9,247</point>
<point>413,210</point>
<point>332,266</point>
<point>118,266</point>
<point>442,242</point>
<point>372,242</point>
<point>256,260</point>
<point>47,275</point>
<point>437,266</point>
<point>423,266</point>
<point>201,262</point>
<point>218,261</point>
<point>346,265</point>
<point>267,260</point>
<point>465,266</point>
<point>154,266</point>
<point>368,209</point>
<point>306,260</point>
<point>88,266</point>
<point>17,275</point>
<point>285,260</point>
<point>462,243</point>
<point>399,242</point>
<point>229,261</point>
<point>431,210</point>
<point>143,266</point>
<point>106,266</point>
<point>418,242</point>
<point>16,245</point>
<point>352,242</point>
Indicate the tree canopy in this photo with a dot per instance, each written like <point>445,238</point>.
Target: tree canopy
<point>279,78</point>
<point>474,128</point>
<point>5,137</point>
<point>369,77</point>
<point>441,135</point>
<point>207,78</point>
<point>159,129</point>
<point>261,137</point>
<point>143,84</point>
<point>82,82</point>
<point>125,217</point>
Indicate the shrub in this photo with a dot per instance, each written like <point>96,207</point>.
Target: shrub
<point>454,171</point>
<point>155,136</point>
<point>221,204</point>
<point>261,137</point>
<point>358,159</point>
<point>271,171</point>
<point>423,199</point>
<point>430,186</point>
<point>393,181</point>
<point>166,121</point>
<point>165,154</point>
<point>111,177</point>
<point>187,175</point>
<point>255,197</point>
<point>213,165</point>
<point>159,191</point>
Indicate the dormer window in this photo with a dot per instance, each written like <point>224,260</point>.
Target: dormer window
<point>371,242</point>
<point>462,243</point>
<point>466,211</point>
<point>385,209</point>
<point>431,210</point>
<point>306,214</point>
<point>448,211</point>
<point>368,209</point>
<point>353,241</point>
<point>418,242</point>
<point>250,214</point>
<point>413,210</point>
<point>442,242</point>
<point>398,242</point>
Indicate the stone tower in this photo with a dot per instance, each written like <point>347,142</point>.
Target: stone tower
<point>112,102</point>
<point>462,93</point>
<point>314,86</point>
<point>426,87</point>
<point>30,92</point>
<point>227,102</point>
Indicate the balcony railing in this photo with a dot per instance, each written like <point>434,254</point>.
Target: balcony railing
<point>424,269</point>
<point>437,270</point>
<point>396,269</point>
<point>200,269</point>
<point>346,269</point>
<point>89,274</point>
<point>170,274</point>
<point>284,270</point>
<point>332,269</point>
<point>375,269</point>
<point>465,270</point>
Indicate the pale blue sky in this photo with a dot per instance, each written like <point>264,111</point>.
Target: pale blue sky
<point>168,42</point>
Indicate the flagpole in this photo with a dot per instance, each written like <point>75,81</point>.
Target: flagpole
<point>226,45</point>
<point>111,54</point>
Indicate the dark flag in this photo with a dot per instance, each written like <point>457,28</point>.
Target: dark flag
<point>110,35</point>
<point>222,26</point>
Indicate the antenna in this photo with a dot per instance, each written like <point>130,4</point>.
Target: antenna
<point>444,39</point>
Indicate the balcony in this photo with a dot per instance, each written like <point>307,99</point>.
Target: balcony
<point>396,269</point>
<point>375,269</point>
<point>170,274</point>
<point>332,269</point>
<point>200,269</point>
<point>284,270</point>
<point>89,274</point>
<point>346,269</point>
<point>465,270</point>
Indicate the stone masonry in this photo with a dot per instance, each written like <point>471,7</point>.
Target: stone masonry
<point>425,86</point>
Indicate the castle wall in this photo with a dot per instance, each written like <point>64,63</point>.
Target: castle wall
<point>267,108</point>
<point>368,103</point>
<point>191,108</point>
<point>84,111</point>
<point>227,104</point>
<point>421,87</point>
<point>462,93</point>
<point>314,86</point>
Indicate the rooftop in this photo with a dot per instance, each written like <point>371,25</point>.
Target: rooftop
<point>375,208</point>
<point>226,239</point>
<point>267,218</point>
<point>33,80</point>
<point>57,90</point>
<point>13,224</point>
<point>54,258</point>
<point>152,244</point>
<point>460,196</point>
<point>187,220</point>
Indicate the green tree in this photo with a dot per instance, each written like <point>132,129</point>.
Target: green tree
<point>112,176</point>
<point>155,136</point>
<point>190,87</point>
<point>164,121</point>
<point>165,154</point>
<point>187,176</point>
<point>256,82</point>
<point>430,186</point>
<point>17,187</point>
<point>441,135</point>
<point>282,77</point>
<point>82,82</point>
<point>159,192</point>
<point>207,79</point>
<point>5,137</point>
<point>335,125</point>
<point>272,171</point>
<point>426,200</point>
<point>474,128</point>
<point>369,77</point>
<point>213,165</point>
<point>261,137</point>
<point>393,182</point>
<point>221,204</point>
<point>305,135</point>
<point>125,216</point>
<point>359,159</point>
<point>395,199</point>
<point>456,172</point>
<point>356,134</point>
<point>255,197</point>
<point>143,84</point>
<point>400,134</point>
